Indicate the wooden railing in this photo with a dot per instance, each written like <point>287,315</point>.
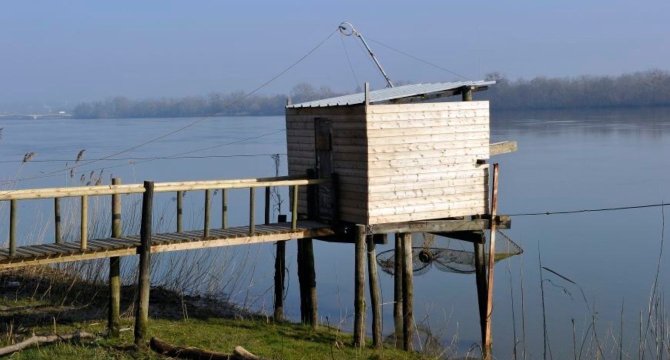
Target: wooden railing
<point>116,189</point>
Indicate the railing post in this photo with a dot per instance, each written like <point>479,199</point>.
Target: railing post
<point>12,227</point>
<point>58,236</point>
<point>144,278</point>
<point>224,208</point>
<point>114,315</point>
<point>267,205</point>
<point>205,231</point>
<point>252,210</point>
<point>180,211</point>
<point>84,223</point>
<point>294,208</point>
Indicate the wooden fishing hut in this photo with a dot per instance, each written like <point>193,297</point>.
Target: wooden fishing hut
<point>404,159</point>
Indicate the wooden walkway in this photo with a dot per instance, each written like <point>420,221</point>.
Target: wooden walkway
<point>188,240</point>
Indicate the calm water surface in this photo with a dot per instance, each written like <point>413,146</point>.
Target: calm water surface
<point>565,161</point>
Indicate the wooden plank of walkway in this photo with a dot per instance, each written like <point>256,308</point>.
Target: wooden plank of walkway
<point>189,240</point>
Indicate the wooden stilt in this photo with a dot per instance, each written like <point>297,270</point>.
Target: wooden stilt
<point>375,294</point>
<point>492,243</point>
<point>397,291</point>
<point>307,280</point>
<point>144,278</point>
<point>310,288</point>
<point>359,287</point>
<point>480,279</point>
<point>114,311</point>
<point>408,292</point>
<point>280,272</point>
<point>302,282</point>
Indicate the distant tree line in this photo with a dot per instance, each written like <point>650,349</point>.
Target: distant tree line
<point>235,103</point>
<point>641,89</point>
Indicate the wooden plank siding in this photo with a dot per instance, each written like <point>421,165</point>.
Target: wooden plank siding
<point>348,137</point>
<point>422,160</point>
<point>400,162</point>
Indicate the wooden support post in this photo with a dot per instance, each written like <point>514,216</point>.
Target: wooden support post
<point>309,274</point>
<point>268,205</point>
<point>480,279</point>
<point>359,287</point>
<point>144,278</point>
<point>467,93</point>
<point>114,311</point>
<point>252,210</point>
<point>375,294</point>
<point>180,211</point>
<point>294,208</point>
<point>224,208</point>
<point>84,222</point>
<point>301,280</point>
<point>488,341</point>
<point>12,227</point>
<point>397,290</point>
<point>58,234</point>
<point>280,273</point>
<point>205,227</point>
<point>408,292</point>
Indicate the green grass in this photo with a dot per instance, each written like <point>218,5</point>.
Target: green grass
<point>266,339</point>
<point>31,308</point>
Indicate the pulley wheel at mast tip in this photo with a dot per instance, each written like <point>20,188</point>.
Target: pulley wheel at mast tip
<point>346,28</point>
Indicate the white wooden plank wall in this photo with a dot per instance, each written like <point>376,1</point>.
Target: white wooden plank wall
<point>422,160</point>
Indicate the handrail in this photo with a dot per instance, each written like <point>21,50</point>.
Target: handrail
<point>99,190</point>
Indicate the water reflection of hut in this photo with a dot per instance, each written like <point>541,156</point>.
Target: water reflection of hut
<point>405,159</point>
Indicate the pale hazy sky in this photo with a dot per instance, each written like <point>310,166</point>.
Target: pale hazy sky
<point>56,52</point>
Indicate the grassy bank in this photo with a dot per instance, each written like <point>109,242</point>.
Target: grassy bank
<point>274,341</point>
<point>45,302</point>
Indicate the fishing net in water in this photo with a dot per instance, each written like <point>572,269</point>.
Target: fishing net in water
<point>447,254</point>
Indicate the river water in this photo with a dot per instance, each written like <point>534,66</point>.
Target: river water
<point>566,161</point>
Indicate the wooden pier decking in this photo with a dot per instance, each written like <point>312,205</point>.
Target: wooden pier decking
<point>187,240</point>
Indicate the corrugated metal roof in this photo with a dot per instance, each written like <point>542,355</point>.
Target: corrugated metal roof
<point>394,93</point>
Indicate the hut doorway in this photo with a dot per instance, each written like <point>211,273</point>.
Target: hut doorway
<point>324,166</point>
